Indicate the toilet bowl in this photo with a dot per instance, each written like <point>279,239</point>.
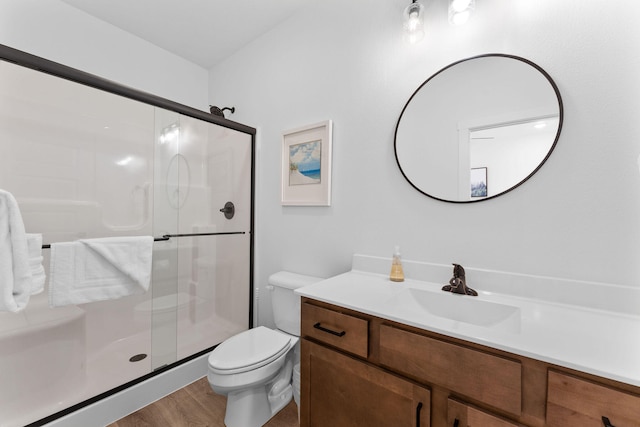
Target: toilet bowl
<point>254,368</point>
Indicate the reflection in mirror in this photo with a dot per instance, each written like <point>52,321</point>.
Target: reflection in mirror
<point>478,128</point>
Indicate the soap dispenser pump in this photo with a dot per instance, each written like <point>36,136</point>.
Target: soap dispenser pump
<point>397,274</point>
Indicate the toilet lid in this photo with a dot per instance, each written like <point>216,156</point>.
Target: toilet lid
<point>249,350</point>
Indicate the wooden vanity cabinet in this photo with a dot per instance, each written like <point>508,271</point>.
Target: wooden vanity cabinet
<point>469,416</point>
<point>360,370</point>
<point>338,390</point>
<point>576,402</point>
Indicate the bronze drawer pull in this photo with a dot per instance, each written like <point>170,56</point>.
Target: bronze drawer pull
<point>338,334</point>
<point>606,422</point>
<point>418,410</point>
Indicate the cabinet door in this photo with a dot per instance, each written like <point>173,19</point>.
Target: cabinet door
<point>338,390</point>
<point>462,415</point>
<point>574,402</point>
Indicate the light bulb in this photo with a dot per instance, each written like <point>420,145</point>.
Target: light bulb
<point>459,18</point>
<point>460,5</point>
<point>460,11</point>
<point>413,22</point>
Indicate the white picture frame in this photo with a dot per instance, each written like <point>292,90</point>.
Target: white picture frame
<point>306,165</point>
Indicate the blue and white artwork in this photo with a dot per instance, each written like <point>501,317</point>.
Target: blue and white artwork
<point>479,182</point>
<point>304,163</point>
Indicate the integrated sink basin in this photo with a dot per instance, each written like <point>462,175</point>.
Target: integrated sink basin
<point>457,308</point>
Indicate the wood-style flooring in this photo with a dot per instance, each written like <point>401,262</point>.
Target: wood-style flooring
<point>196,405</point>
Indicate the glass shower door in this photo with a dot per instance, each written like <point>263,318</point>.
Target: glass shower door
<point>215,263</point>
<point>79,161</point>
<point>90,163</point>
<point>202,275</point>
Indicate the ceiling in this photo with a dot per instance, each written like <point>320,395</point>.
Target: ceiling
<point>204,32</point>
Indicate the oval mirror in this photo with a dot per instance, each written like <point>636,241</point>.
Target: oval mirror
<point>478,128</point>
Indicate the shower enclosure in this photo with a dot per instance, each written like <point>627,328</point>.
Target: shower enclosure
<point>86,158</point>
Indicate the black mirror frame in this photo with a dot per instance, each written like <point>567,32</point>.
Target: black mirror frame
<point>502,55</point>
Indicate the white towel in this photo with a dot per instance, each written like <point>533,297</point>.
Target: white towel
<point>34,247</point>
<point>99,269</point>
<point>15,274</point>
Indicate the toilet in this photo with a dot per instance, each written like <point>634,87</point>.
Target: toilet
<point>254,368</point>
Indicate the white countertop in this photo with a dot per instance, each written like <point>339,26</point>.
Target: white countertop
<point>596,341</point>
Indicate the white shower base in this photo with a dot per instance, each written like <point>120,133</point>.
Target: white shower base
<point>103,370</point>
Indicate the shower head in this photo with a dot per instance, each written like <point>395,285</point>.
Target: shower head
<point>217,111</point>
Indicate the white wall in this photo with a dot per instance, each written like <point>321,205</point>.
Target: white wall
<point>58,32</point>
<point>578,217</point>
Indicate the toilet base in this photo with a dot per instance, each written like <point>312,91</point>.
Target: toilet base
<point>257,400</point>
<point>254,397</point>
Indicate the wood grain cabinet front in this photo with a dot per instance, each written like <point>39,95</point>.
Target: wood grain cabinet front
<point>343,331</point>
<point>341,391</point>
<point>491,379</point>
<point>362,370</point>
<point>460,414</point>
<point>575,402</point>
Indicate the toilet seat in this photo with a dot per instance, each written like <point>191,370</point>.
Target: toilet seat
<point>248,350</point>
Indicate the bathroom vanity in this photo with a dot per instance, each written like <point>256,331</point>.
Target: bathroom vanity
<point>379,353</point>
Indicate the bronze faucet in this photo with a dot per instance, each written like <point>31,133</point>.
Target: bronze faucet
<point>458,284</point>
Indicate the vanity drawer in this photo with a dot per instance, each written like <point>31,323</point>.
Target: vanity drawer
<point>469,416</point>
<point>574,402</point>
<point>339,330</point>
<point>488,378</point>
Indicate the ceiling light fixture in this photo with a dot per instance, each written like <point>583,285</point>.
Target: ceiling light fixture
<point>414,22</point>
<point>460,11</point>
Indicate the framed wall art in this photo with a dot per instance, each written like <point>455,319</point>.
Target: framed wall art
<point>306,165</point>
<point>479,182</point>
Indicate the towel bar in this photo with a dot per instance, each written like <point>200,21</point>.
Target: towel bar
<point>169,236</point>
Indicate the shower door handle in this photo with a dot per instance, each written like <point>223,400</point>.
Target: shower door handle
<point>229,210</point>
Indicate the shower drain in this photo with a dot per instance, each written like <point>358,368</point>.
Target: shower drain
<point>137,357</point>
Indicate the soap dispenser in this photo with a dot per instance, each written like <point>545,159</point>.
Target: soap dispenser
<point>397,274</point>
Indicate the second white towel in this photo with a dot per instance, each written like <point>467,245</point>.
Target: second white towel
<point>34,245</point>
<point>99,269</point>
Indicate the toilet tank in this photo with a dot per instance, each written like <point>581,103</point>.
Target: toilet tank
<point>285,303</point>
